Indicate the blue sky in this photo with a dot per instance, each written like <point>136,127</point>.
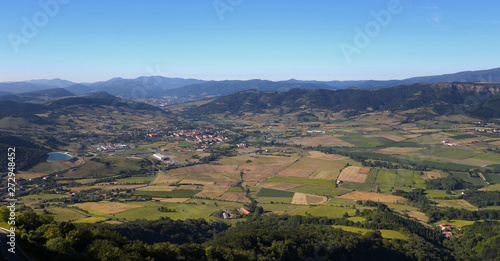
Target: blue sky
<point>86,41</point>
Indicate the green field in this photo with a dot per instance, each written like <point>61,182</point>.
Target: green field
<point>357,186</point>
<point>51,167</point>
<point>318,190</point>
<point>492,177</point>
<point>418,182</point>
<point>488,157</point>
<point>265,192</point>
<point>495,187</point>
<point>386,177</point>
<point>372,176</point>
<point>90,220</point>
<point>320,182</point>
<point>463,136</point>
<point>235,189</point>
<point>361,141</point>
<point>456,153</point>
<point>467,177</point>
<point>64,214</point>
<point>182,211</point>
<point>457,203</point>
<point>455,223</point>
<point>441,194</point>
<point>389,234</point>
<point>43,197</point>
<point>104,167</point>
<point>404,178</point>
<point>325,211</point>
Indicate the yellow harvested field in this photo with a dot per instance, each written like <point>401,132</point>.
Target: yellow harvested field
<point>196,181</point>
<point>235,196</point>
<point>297,173</point>
<point>257,173</point>
<point>106,207</point>
<point>324,174</point>
<point>202,168</point>
<point>225,168</point>
<point>354,174</point>
<point>418,215</point>
<point>172,200</point>
<point>317,164</point>
<point>364,171</point>
<point>497,143</point>
<point>212,192</point>
<point>241,160</point>
<point>280,185</point>
<point>431,175</point>
<point>307,199</point>
<point>320,155</point>
<point>377,197</point>
<point>165,178</point>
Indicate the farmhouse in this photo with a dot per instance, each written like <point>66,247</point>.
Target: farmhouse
<point>445,226</point>
<point>246,211</point>
<point>153,134</point>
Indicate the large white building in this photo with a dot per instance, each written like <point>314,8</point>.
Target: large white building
<point>160,156</point>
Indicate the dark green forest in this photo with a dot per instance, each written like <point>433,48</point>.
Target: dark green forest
<point>268,237</point>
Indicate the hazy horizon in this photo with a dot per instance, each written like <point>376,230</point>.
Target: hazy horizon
<point>168,76</point>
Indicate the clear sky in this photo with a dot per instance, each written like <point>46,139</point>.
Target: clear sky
<point>87,41</point>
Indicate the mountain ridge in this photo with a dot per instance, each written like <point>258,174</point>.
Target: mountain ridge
<point>443,98</point>
<point>159,86</point>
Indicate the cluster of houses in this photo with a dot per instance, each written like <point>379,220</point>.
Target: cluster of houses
<point>200,135</point>
<point>229,215</point>
<point>447,229</point>
<point>315,131</point>
<point>487,130</point>
<point>109,147</point>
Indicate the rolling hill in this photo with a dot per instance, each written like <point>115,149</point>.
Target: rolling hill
<point>38,96</point>
<point>219,88</point>
<point>442,97</point>
<point>491,75</point>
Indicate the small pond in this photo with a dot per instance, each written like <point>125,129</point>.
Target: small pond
<point>58,156</point>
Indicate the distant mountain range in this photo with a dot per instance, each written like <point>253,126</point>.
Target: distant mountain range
<point>492,75</point>
<point>194,89</point>
<point>442,98</point>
